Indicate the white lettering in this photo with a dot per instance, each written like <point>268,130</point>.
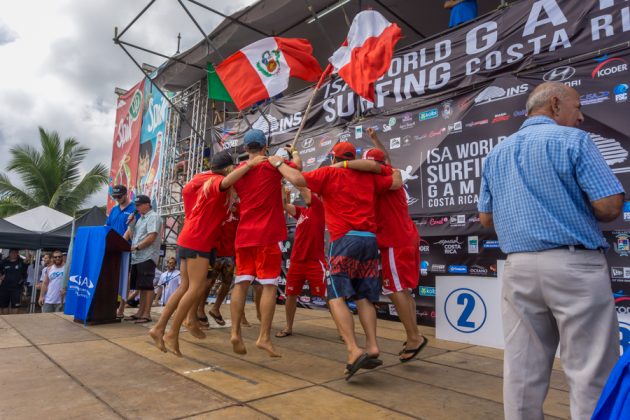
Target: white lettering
<point>601,23</point>
<point>560,38</point>
<point>488,40</point>
<point>554,16</point>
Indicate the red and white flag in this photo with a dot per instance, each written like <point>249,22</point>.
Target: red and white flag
<point>262,69</point>
<point>367,53</point>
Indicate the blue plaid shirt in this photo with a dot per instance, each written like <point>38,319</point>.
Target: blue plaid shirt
<point>538,183</point>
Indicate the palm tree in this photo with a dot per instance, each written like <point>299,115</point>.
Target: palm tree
<point>50,177</point>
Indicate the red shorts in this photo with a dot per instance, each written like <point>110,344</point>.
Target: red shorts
<point>313,271</point>
<point>401,268</point>
<point>260,263</point>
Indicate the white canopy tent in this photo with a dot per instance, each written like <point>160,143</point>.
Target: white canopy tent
<point>40,219</point>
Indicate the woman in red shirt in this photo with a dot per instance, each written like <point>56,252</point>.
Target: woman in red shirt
<point>205,207</point>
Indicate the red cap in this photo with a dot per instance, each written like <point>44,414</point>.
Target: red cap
<point>344,150</point>
<point>374,154</point>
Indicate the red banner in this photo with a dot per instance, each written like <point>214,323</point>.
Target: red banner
<point>126,141</point>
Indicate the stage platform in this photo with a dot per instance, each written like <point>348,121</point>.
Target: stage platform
<point>51,367</point>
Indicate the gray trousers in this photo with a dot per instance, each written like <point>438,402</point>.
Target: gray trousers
<point>52,307</point>
<point>557,296</point>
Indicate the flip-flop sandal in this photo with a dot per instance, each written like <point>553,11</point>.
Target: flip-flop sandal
<point>217,318</point>
<point>143,320</point>
<point>354,367</point>
<point>282,334</point>
<point>414,352</point>
<point>372,362</point>
<point>131,318</point>
<point>403,349</point>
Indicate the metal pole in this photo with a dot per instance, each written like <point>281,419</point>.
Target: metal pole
<point>158,54</point>
<point>36,276</point>
<point>135,19</point>
<point>319,25</point>
<point>161,91</point>
<point>206,37</point>
<point>229,18</point>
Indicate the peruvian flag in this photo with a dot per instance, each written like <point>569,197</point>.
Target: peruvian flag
<point>367,53</point>
<point>262,69</point>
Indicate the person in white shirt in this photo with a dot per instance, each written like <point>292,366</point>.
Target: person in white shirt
<point>169,281</point>
<point>53,291</point>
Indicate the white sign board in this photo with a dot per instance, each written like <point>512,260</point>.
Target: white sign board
<point>469,309</point>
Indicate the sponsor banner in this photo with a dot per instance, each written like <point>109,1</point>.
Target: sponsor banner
<point>87,258</point>
<point>126,140</point>
<point>526,34</point>
<point>155,114</point>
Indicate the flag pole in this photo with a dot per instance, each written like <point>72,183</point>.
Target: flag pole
<point>310,104</point>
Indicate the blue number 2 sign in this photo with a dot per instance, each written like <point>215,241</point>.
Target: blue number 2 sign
<point>465,310</point>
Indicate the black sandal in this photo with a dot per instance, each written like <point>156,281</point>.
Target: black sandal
<point>217,318</point>
<point>414,352</point>
<point>354,367</point>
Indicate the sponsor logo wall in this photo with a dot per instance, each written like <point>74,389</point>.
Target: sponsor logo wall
<point>440,142</point>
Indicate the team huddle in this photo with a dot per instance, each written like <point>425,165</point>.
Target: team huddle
<point>235,214</point>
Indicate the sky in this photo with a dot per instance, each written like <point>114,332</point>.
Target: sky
<point>59,66</point>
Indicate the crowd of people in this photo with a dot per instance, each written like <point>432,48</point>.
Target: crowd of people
<point>17,281</point>
<point>544,189</point>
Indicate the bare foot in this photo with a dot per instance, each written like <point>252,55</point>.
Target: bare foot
<point>268,347</point>
<point>158,338</point>
<point>172,344</point>
<point>245,323</point>
<point>237,345</point>
<point>354,355</point>
<point>196,332</point>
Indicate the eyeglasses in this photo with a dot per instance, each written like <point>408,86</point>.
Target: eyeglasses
<point>58,257</point>
<point>117,197</point>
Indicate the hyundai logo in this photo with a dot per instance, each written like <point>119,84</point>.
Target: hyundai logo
<point>559,74</point>
<point>306,143</point>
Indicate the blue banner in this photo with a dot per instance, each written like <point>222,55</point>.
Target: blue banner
<point>87,258</point>
<point>156,109</point>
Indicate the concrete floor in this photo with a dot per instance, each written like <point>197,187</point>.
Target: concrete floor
<point>53,368</point>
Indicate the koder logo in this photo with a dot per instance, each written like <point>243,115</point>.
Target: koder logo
<point>559,74</point>
<point>605,69</point>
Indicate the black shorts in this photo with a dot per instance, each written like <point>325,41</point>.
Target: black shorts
<point>142,275</point>
<point>10,298</point>
<point>186,253</point>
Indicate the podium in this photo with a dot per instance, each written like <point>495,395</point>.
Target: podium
<point>94,273</point>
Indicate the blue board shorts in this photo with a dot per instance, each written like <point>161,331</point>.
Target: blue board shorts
<point>354,267</point>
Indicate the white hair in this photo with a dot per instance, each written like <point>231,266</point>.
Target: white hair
<point>543,93</point>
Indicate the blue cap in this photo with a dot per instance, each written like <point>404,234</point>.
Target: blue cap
<point>255,136</point>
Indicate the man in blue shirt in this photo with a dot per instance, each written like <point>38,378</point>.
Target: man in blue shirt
<point>544,189</point>
<point>118,220</point>
<point>119,214</point>
<point>461,11</point>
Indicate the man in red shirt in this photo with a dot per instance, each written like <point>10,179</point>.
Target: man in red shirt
<point>307,262</point>
<point>398,242</point>
<point>349,210</point>
<point>261,227</point>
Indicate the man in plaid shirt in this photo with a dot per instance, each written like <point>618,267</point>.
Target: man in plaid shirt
<point>544,189</point>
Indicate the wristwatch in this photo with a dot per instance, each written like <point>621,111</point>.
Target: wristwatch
<point>277,165</point>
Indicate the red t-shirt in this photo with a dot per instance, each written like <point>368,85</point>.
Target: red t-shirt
<point>262,214</point>
<point>309,232</point>
<point>349,198</point>
<point>204,211</point>
<point>225,246</point>
<point>394,225</point>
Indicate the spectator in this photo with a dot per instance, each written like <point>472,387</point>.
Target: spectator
<point>118,220</point>
<point>461,11</point>
<point>53,291</point>
<point>156,281</point>
<point>544,189</point>
<point>169,281</point>
<point>12,276</point>
<point>145,248</point>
